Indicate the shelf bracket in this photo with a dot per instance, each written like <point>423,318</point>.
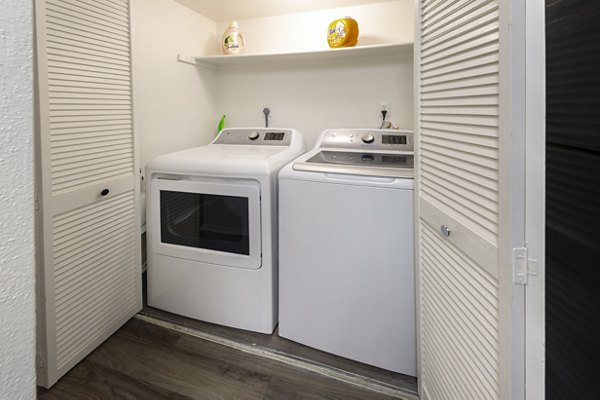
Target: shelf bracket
<point>186,59</point>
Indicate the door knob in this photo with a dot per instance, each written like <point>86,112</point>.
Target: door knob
<point>445,230</point>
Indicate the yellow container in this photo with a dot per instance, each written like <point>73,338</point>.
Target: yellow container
<point>342,33</point>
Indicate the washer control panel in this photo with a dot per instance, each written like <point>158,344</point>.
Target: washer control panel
<point>373,139</point>
<point>255,136</point>
<point>384,160</point>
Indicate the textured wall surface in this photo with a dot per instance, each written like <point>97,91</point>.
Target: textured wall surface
<point>17,293</point>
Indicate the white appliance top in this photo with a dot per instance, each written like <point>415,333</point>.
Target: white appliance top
<point>368,152</point>
<point>239,151</point>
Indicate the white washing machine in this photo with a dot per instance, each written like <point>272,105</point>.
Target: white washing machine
<point>212,227</point>
<point>346,259</point>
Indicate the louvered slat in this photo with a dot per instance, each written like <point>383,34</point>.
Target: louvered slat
<point>459,71</point>
<point>472,48</point>
<point>72,311</point>
<point>71,22</point>
<point>72,260</point>
<point>463,16</point>
<point>57,56</point>
<point>68,140</point>
<point>86,166</point>
<point>75,50</point>
<point>93,292</point>
<point>458,171</point>
<point>91,151</point>
<point>91,133</point>
<point>89,86</point>
<point>94,8</point>
<point>77,66</point>
<point>98,120</point>
<point>79,296</point>
<point>459,323</point>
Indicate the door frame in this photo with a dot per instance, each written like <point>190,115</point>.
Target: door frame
<point>513,175</point>
<point>527,168</point>
<point>523,21</point>
<point>535,198</point>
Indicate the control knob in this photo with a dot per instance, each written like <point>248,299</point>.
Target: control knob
<point>253,136</point>
<point>368,138</point>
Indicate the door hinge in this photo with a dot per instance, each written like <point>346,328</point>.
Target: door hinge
<point>523,266</point>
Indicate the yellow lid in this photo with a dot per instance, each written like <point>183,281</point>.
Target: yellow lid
<point>342,32</point>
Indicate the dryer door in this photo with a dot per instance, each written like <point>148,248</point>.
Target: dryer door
<point>211,221</point>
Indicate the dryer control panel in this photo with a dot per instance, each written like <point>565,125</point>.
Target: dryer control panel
<point>255,136</point>
<point>373,139</point>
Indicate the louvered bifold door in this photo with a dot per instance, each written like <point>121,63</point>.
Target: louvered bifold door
<point>88,231</point>
<point>458,67</point>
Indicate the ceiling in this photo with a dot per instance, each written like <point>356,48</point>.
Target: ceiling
<point>226,10</point>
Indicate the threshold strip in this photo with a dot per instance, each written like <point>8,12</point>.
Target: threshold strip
<point>298,362</point>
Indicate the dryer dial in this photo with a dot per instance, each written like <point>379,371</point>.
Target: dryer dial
<point>253,136</point>
<point>368,138</point>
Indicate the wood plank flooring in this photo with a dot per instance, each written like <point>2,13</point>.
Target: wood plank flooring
<point>295,350</point>
<point>145,361</point>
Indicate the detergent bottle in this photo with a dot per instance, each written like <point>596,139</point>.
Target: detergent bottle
<point>233,41</point>
<point>342,33</point>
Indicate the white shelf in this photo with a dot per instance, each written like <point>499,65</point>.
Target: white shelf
<point>347,53</point>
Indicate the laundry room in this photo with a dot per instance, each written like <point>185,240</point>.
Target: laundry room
<point>309,91</point>
<point>211,132</point>
<point>281,199</point>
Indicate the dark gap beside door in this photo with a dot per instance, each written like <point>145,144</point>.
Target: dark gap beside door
<point>572,199</point>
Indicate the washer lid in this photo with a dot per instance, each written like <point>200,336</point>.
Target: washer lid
<point>359,163</point>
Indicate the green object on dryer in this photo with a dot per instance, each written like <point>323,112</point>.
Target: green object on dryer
<point>221,124</point>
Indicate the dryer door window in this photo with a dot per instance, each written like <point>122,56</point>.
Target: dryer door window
<point>205,221</point>
<point>215,221</point>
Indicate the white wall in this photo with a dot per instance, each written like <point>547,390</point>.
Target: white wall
<point>17,273</point>
<point>173,102</point>
<point>386,22</point>
<point>314,96</point>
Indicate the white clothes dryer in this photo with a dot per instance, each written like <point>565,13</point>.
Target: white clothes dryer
<point>346,237</point>
<point>212,227</point>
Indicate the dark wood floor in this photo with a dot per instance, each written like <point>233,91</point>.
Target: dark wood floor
<point>405,383</point>
<point>145,361</point>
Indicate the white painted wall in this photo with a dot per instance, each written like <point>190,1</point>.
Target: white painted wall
<point>386,22</point>
<point>173,102</point>
<point>317,96</point>
<point>313,97</point>
<point>224,10</point>
<point>17,272</point>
